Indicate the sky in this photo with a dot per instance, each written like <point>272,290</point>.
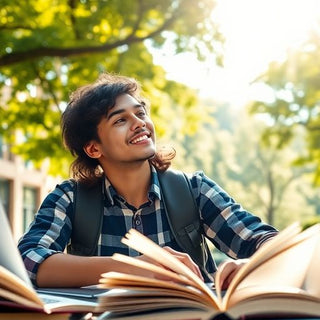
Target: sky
<point>256,32</point>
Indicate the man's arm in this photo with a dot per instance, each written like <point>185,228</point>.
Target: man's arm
<point>65,270</point>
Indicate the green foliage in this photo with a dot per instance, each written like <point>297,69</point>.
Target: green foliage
<point>48,48</point>
<point>295,102</point>
<point>263,179</point>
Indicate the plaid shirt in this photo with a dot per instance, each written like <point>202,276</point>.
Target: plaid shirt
<point>230,228</point>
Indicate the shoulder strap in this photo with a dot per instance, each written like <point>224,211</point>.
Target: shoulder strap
<point>183,214</point>
<point>87,219</point>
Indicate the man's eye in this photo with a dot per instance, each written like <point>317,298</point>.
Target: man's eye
<point>141,114</point>
<point>119,120</point>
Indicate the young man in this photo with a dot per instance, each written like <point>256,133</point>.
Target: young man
<point>107,128</point>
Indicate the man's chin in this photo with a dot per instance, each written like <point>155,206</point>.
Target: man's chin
<point>147,156</point>
<point>151,156</point>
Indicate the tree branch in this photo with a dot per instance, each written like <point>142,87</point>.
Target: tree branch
<point>16,57</point>
<point>72,6</point>
<point>15,27</point>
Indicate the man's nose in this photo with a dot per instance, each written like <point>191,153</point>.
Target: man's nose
<point>138,123</point>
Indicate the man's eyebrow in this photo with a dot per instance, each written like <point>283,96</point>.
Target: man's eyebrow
<point>114,113</point>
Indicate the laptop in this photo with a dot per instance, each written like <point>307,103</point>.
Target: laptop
<point>10,257</point>
<point>11,260</point>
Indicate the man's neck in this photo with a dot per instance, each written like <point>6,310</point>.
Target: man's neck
<point>132,183</point>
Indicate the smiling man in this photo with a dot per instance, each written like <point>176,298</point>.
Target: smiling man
<point>107,127</point>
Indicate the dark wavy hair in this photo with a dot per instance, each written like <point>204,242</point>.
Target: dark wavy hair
<point>88,105</point>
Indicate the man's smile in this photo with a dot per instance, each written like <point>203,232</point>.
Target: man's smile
<point>139,138</point>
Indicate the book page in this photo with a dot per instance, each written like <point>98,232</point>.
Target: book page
<point>312,281</point>
<point>286,263</point>
<point>131,304</point>
<point>154,286</point>
<point>288,269</point>
<point>284,304</point>
<point>270,248</point>
<point>144,245</point>
<point>128,301</point>
<point>10,282</point>
<point>10,257</point>
<point>265,252</point>
<point>34,316</point>
<point>19,299</point>
<point>157,270</point>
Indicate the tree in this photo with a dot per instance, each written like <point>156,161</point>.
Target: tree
<point>262,178</point>
<point>49,48</point>
<point>294,100</point>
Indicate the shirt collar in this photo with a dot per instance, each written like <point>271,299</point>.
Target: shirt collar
<point>153,193</point>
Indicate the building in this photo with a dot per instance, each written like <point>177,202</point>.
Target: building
<point>22,188</point>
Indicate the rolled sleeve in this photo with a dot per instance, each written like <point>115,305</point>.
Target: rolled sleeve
<point>50,231</point>
<point>32,260</point>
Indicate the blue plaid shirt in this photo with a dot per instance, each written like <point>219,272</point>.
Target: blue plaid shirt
<point>230,228</point>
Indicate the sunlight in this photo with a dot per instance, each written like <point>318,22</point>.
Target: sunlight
<point>257,32</point>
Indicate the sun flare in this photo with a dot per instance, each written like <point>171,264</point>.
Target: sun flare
<point>256,32</point>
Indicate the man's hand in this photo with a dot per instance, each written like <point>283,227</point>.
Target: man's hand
<point>228,270</point>
<point>181,256</point>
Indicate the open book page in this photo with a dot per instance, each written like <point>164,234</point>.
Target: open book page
<point>157,270</point>
<point>33,316</point>
<point>261,294</point>
<point>275,306</point>
<point>281,256</point>
<point>10,258</point>
<point>144,301</point>
<point>144,245</point>
<point>286,269</point>
<point>268,249</point>
<point>10,282</point>
<point>17,295</point>
<point>284,240</point>
<point>155,311</point>
<point>155,287</point>
<point>18,299</point>
<point>312,280</point>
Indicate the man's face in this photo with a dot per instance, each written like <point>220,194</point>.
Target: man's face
<point>127,133</point>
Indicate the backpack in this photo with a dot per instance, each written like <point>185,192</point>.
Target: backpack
<point>180,207</point>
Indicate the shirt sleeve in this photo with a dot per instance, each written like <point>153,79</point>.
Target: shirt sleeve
<point>50,231</point>
<point>233,230</point>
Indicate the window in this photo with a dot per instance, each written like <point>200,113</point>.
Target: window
<point>29,205</point>
<point>2,148</point>
<point>5,193</point>
<point>5,152</point>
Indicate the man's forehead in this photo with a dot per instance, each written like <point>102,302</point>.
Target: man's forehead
<point>126,100</point>
<point>123,106</point>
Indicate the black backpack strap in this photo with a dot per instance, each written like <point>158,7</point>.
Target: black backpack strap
<point>183,215</point>
<point>87,219</point>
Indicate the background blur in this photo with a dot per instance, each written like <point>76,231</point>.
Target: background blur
<point>234,87</point>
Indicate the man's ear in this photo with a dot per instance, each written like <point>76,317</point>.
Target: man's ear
<point>92,149</point>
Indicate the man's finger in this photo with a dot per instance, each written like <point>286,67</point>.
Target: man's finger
<point>186,259</point>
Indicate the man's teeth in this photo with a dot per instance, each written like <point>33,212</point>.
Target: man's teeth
<point>139,139</point>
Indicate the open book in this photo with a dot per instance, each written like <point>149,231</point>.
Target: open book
<point>17,292</point>
<point>281,278</point>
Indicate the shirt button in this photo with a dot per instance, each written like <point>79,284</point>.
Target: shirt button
<point>138,222</point>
